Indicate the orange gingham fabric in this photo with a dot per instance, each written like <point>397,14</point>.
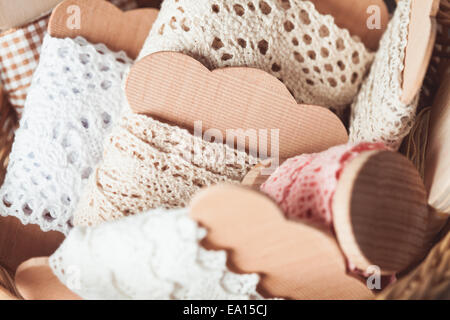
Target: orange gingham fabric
<point>19,55</point>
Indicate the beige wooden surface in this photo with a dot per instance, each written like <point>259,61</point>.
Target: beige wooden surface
<point>36,281</point>
<point>15,13</point>
<point>380,196</point>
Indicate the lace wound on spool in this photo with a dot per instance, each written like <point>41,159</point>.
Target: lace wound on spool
<point>320,63</point>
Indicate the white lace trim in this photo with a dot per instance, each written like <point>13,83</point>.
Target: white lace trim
<point>378,115</point>
<point>156,255</point>
<point>319,62</point>
<point>75,97</point>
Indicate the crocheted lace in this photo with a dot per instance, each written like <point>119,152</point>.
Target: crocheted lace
<point>75,97</point>
<point>320,63</point>
<point>156,255</point>
<point>378,115</point>
<point>148,164</point>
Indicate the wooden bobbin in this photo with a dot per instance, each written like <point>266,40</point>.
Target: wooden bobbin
<point>380,212</point>
<point>437,165</point>
<point>289,256</point>
<point>177,89</point>
<point>36,281</point>
<point>17,13</point>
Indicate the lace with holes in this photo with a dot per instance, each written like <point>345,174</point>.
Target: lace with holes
<point>319,62</point>
<point>149,164</point>
<point>378,115</point>
<point>75,97</point>
<point>156,255</point>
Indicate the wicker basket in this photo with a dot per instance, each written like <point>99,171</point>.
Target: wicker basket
<point>429,280</point>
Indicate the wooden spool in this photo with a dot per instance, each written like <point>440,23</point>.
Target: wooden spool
<point>353,15</point>
<point>119,31</point>
<point>288,255</point>
<point>437,165</point>
<point>380,198</point>
<point>16,13</point>
<point>257,238</point>
<point>36,281</point>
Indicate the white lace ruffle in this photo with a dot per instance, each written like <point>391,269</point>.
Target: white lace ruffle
<point>156,255</point>
<point>75,97</point>
<point>319,62</point>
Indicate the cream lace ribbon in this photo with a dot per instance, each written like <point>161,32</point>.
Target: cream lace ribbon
<point>148,164</point>
<point>378,115</point>
<point>75,97</point>
<point>156,255</point>
<point>319,62</point>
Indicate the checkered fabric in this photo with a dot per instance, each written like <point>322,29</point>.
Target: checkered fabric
<point>19,55</point>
